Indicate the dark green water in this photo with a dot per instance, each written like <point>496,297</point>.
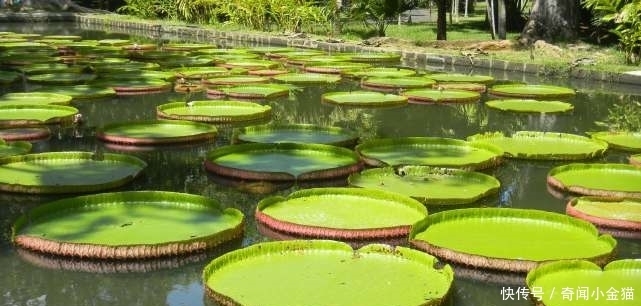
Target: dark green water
<point>26,279</point>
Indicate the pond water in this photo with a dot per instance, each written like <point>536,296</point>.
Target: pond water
<point>26,279</point>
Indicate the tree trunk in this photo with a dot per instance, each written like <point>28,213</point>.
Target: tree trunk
<point>552,20</point>
<point>441,20</point>
<point>500,20</point>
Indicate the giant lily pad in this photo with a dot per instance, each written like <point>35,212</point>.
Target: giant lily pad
<point>294,53</point>
<point>341,213</point>
<point>45,68</point>
<point>436,186</point>
<point>282,161</point>
<point>200,72</point>
<point>429,151</point>
<point>607,212</point>
<point>532,91</point>
<point>303,60</point>
<point>82,92</point>
<point>67,172</point>
<point>544,145</point>
<point>27,114</point>
<point>442,96</point>
<point>307,78</point>
<point>461,78</point>
<point>35,98</point>
<point>396,83</point>
<point>379,57</point>
<point>530,106</point>
<point>187,46</point>
<point>235,80</point>
<point>156,132</point>
<point>381,72</point>
<point>478,237</point>
<point>128,225</point>
<point>374,275</point>
<point>300,133</point>
<point>138,86</point>
<point>335,67</point>
<point>363,98</point>
<point>24,133</point>
<point>257,91</point>
<point>61,78</point>
<point>588,284</point>
<point>613,180</point>
<point>214,111</point>
<point>13,148</point>
<point>627,141</point>
<point>250,64</point>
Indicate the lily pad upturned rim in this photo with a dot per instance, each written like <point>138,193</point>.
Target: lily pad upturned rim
<point>410,82</point>
<point>71,112</point>
<point>438,141</point>
<point>350,138</point>
<point>252,91</point>
<point>79,188</point>
<point>549,91</point>
<point>519,265</point>
<point>126,251</point>
<point>525,135</point>
<point>208,132</point>
<point>461,78</point>
<point>335,67</point>
<point>338,171</point>
<point>558,184</point>
<point>24,133</point>
<point>603,221</point>
<point>307,78</point>
<point>300,247</point>
<point>569,266</point>
<point>511,105</point>
<point>255,111</point>
<point>444,96</point>
<point>620,145</point>
<point>389,99</point>
<point>492,184</point>
<point>305,230</point>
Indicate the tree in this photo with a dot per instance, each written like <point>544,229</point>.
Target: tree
<point>379,11</point>
<point>552,20</point>
<point>441,19</point>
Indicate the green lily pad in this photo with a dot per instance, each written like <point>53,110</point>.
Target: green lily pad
<point>441,96</point>
<point>611,180</point>
<point>28,114</point>
<point>13,148</point>
<point>478,236</point>
<point>381,72</point>
<point>61,78</point>
<point>335,67</point>
<point>24,133</point>
<point>35,98</point>
<point>45,68</point>
<point>587,283</point>
<point>294,53</point>
<point>200,72</point>
<point>81,92</point>
<point>155,55</point>
<point>270,49</point>
<point>607,212</point>
<point>267,72</point>
<point>155,132</point>
<point>8,77</point>
<point>126,225</point>
<point>67,172</point>
<point>627,141</point>
<point>307,78</point>
<point>461,78</point>
<point>433,186</point>
<point>477,87</point>
<point>142,75</point>
<point>380,57</point>
<point>187,46</point>
<point>235,80</point>
<point>429,151</point>
<point>126,67</point>
<point>543,145</point>
<point>63,37</point>
<point>341,213</point>
<point>113,42</point>
<point>252,91</point>
<point>183,61</point>
<point>303,60</point>
<point>363,98</point>
<point>530,106</point>
<point>250,64</point>
<point>543,92</point>
<point>396,83</point>
<point>299,133</point>
<point>137,86</point>
<point>374,275</point>
<point>282,161</point>
<point>214,111</point>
